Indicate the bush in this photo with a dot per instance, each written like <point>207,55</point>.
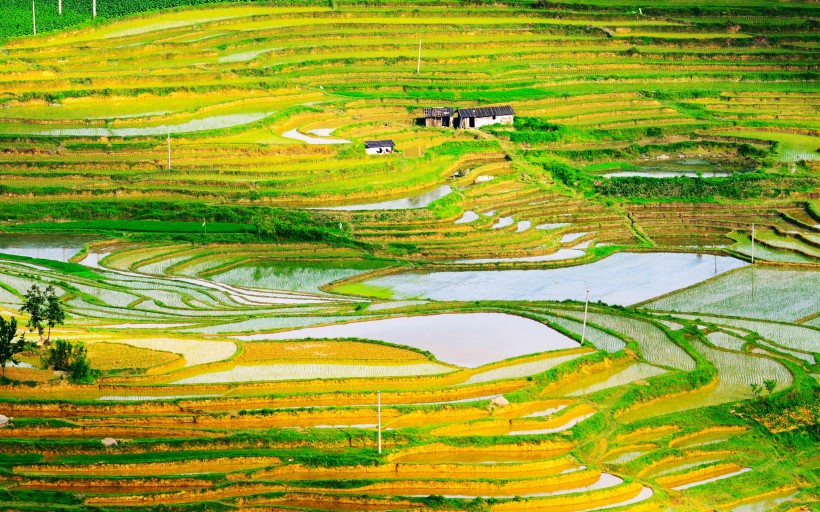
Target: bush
<point>567,175</point>
<point>72,358</point>
<point>654,131</point>
<point>535,130</point>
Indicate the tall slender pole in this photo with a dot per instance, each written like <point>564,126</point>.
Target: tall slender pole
<point>753,243</point>
<point>34,17</point>
<point>584,328</point>
<point>60,7</point>
<point>169,150</point>
<point>754,288</point>
<point>379,398</point>
<point>94,8</point>
<point>418,65</point>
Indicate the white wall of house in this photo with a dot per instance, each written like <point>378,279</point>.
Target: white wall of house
<point>487,121</point>
<point>378,151</point>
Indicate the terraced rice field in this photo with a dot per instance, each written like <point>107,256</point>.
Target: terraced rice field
<point>563,314</point>
<point>269,404</point>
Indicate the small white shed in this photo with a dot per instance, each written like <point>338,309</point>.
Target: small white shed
<point>485,116</point>
<point>378,147</point>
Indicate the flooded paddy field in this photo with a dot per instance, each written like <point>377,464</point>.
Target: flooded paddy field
<point>682,167</point>
<point>58,247</point>
<point>302,276</point>
<point>769,293</point>
<point>622,279</point>
<point>407,203</point>
<point>466,339</point>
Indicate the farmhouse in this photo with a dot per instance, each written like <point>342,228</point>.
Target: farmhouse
<point>438,117</point>
<point>485,116</point>
<point>378,147</point>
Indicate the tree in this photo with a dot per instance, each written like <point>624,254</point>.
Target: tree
<point>770,384</point>
<point>35,305</point>
<point>59,356</point>
<point>54,313</point>
<point>8,331</point>
<point>68,357</point>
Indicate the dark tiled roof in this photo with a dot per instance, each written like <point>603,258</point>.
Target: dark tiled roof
<point>438,112</point>
<point>505,110</point>
<point>369,144</point>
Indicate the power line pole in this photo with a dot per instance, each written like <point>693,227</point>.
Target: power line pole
<point>753,243</point>
<point>59,7</point>
<point>169,150</point>
<point>584,328</point>
<point>379,428</point>
<point>418,65</point>
<point>34,17</point>
<point>94,8</point>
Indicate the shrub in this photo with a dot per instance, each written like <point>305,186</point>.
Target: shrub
<point>72,358</point>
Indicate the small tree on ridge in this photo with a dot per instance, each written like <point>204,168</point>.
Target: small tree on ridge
<point>43,308</point>
<point>54,312</point>
<point>34,305</point>
<point>8,331</point>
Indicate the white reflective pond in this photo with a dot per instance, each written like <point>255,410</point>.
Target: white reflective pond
<point>467,339</point>
<point>622,279</point>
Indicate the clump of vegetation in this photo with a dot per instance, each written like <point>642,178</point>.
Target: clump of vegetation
<point>796,408</point>
<point>568,175</point>
<point>734,187</point>
<point>69,357</point>
<point>757,389</point>
<point>534,130</point>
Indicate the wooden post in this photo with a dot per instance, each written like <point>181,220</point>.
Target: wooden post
<point>418,65</point>
<point>34,17</point>
<point>753,244</point>
<point>379,428</point>
<point>584,328</point>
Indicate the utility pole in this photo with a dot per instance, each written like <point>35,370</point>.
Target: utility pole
<point>59,7</point>
<point>418,65</point>
<point>169,150</point>
<point>753,244</point>
<point>584,328</point>
<point>379,428</point>
<point>34,17</point>
<point>94,8</point>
